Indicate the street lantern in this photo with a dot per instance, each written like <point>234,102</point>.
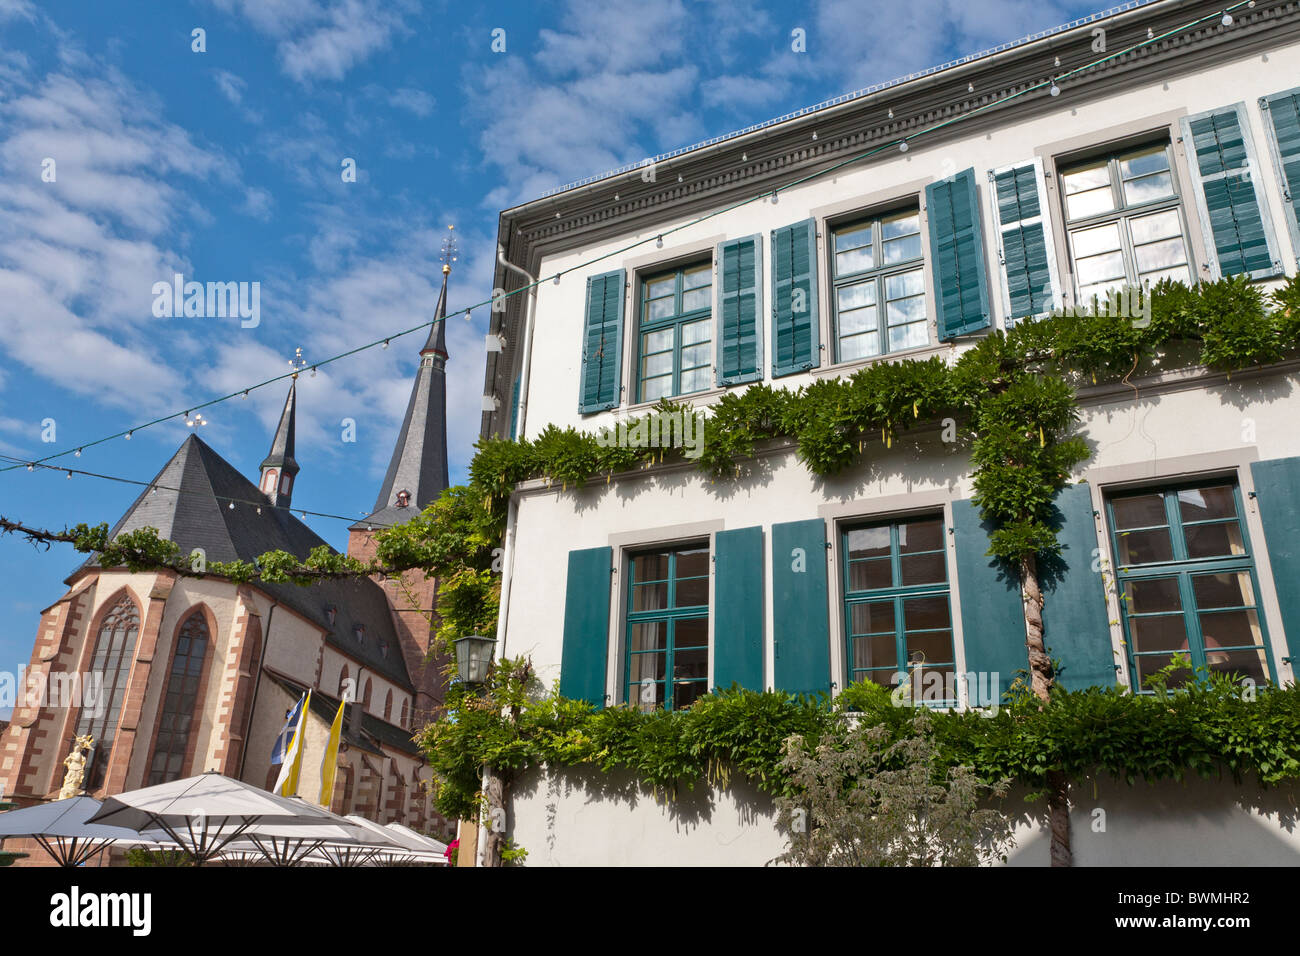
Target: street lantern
<point>473,655</point>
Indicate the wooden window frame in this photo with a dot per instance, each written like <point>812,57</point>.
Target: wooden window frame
<point>669,615</point>
<point>679,318</point>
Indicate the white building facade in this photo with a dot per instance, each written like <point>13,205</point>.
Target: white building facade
<point>1030,181</point>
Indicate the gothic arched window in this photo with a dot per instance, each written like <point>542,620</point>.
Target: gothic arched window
<point>388,706</point>
<point>178,706</point>
<point>111,663</point>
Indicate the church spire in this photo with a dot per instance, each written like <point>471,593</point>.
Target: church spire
<point>417,473</point>
<point>279,469</point>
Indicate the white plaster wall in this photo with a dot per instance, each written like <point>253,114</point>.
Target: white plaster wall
<point>584,818</point>
<point>557,343</point>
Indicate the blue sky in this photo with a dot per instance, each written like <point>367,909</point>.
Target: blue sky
<point>224,165</point>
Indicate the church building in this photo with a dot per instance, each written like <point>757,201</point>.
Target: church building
<point>198,673</point>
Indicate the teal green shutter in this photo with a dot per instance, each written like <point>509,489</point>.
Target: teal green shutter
<point>602,343</point>
<point>586,625</point>
<point>738,608</point>
<point>957,255</point>
<point>1282,118</point>
<point>740,275</point>
<point>1076,622</point>
<point>992,617</point>
<point>1277,491</point>
<point>800,625</point>
<point>795,334</point>
<point>1023,241</point>
<point>1235,220</point>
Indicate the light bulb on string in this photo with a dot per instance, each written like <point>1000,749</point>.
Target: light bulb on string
<point>902,147</point>
<point>77,453</point>
<point>659,242</point>
<point>245,395</point>
<point>557,278</point>
<point>128,436</point>
<point>1055,90</point>
<point>231,506</point>
<point>69,476</point>
<point>385,345</point>
<point>1227,19</point>
<point>30,466</point>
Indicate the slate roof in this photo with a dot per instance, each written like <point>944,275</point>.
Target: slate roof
<point>199,517</point>
<point>419,463</point>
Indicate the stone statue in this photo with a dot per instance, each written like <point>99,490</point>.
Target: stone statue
<point>76,764</point>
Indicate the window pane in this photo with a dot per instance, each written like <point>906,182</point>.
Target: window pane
<point>659,308</point>
<point>685,694</point>
<point>1139,511</point>
<point>1214,540</point>
<point>1146,666</point>
<point>1108,267</point>
<point>852,237</point>
<point>659,363</point>
<point>934,685</point>
<point>901,237</point>
<point>1252,663</point>
<point>1167,632</point>
<point>870,575</point>
<point>879,651</point>
<point>1148,189</point>
<point>858,321</point>
<point>693,592</point>
<point>869,542</point>
<point>1230,629</point>
<point>1155,256</point>
<point>926,613</point>
<point>929,648</point>
<point>1145,547</point>
<point>1153,159</point>
<point>693,563</point>
<point>661,341</point>
<point>696,299</point>
<point>697,277</point>
<point>649,597</point>
<point>649,636</point>
<point>1097,240</point>
<point>695,332</point>
<point>910,336</point>
<point>691,664</point>
<point>904,284</point>
<point>872,617</point>
<point>660,286</point>
<point>1091,203</point>
<point>858,260</point>
<point>1206,504</point>
<point>696,380</point>
<point>692,632</point>
<point>656,388</point>
<point>859,346</point>
<point>1229,589</point>
<point>923,569</point>
<point>904,311</point>
<point>857,295</point>
<point>1162,225</point>
<point>1152,595</point>
<point>696,355</point>
<point>925,535</point>
<point>1087,177</point>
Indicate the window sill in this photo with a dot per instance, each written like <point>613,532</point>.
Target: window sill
<point>690,398</point>
<point>920,352</point>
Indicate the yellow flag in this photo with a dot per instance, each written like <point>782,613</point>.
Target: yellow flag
<point>287,784</point>
<point>330,762</point>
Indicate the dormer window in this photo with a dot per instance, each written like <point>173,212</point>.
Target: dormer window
<point>331,612</point>
<point>403,499</point>
<point>359,632</point>
<point>383,648</point>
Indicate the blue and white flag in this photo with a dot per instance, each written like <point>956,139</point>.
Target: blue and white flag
<point>285,736</point>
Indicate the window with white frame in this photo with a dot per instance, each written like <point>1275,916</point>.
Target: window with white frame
<point>1125,221</point>
<point>675,338</point>
<point>879,286</point>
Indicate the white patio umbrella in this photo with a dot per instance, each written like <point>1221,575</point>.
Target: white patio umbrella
<point>418,839</point>
<point>61,827</point>
<point>203,814</point>
<point>403,849</point>
<point>334,841</point>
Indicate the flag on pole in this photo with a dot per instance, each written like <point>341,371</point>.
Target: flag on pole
<point>286,785</point>
<point>330,762</point>
<point>285,737</point>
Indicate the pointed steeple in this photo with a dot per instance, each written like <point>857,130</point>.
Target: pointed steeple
<point>279,469</point>
<point>417,473</point>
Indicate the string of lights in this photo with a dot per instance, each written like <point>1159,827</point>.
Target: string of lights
<point>154,487</point>
<point>901,144</point>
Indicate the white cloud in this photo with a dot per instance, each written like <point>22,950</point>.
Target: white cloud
<point>13,9</point>
<point>413,101</point>
<point>230,85</point>
<point>324,39</point>
<point>257,203</point>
